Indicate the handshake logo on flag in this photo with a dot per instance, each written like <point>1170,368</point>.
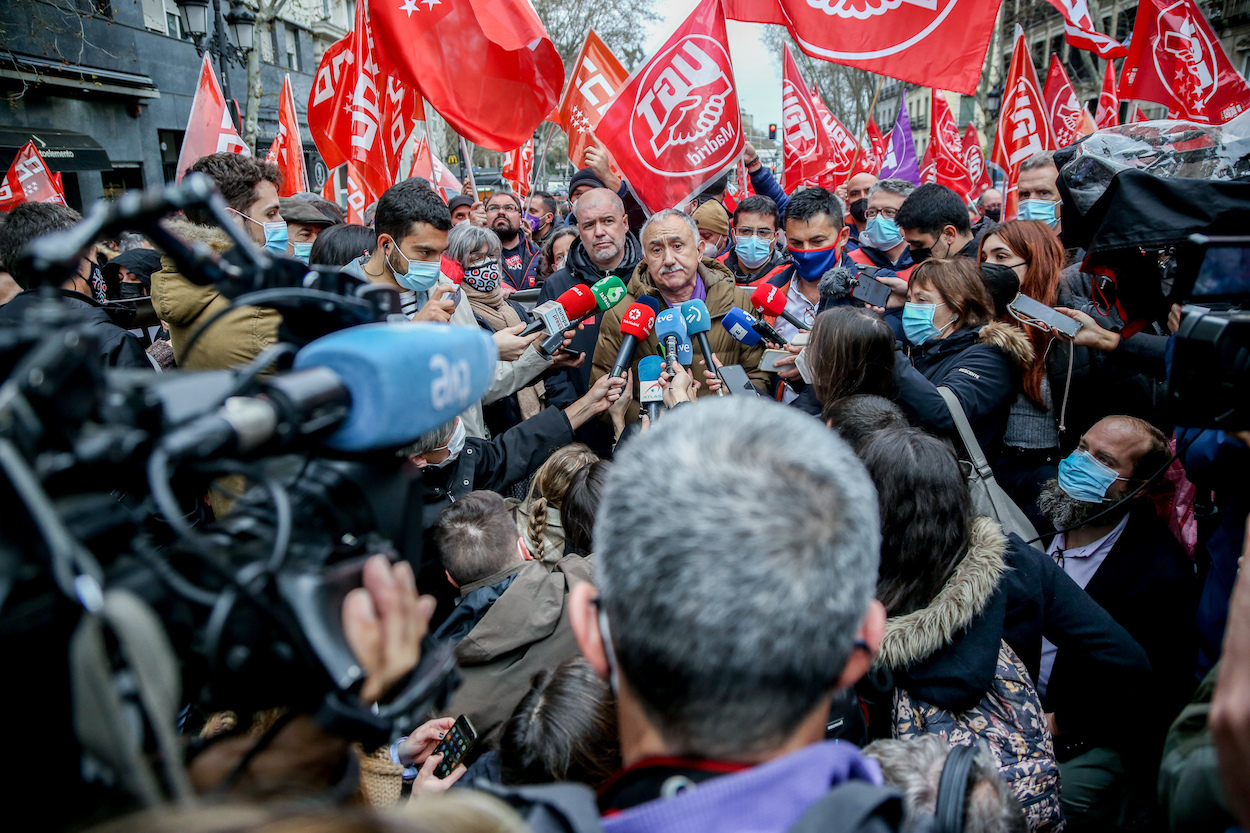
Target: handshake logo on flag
<point>682,105</point>
<point>863,9</point>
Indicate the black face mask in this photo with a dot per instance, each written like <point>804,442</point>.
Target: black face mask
<point>995,214</point>
<point>859,210</point>
<point>921,255</point>
<point>133,290</point>
<point>1002,282</point>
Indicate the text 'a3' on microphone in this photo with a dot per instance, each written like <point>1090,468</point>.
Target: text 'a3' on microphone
<point>770,300</point>
<point>554,316</point>
<point>670,329</point>
<point>650,394</point>
<point>637,324</point>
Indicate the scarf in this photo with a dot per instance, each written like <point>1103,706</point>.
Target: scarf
<point>499,315</point>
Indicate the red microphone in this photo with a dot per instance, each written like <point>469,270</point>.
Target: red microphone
<point>554,316</point>
<point>770,300</point>
<point>635,326</point>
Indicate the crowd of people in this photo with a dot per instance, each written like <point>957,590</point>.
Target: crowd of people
<point>794,605</point>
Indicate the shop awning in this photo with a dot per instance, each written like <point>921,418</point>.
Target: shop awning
<point>62,150</point>
<point>33,71</point>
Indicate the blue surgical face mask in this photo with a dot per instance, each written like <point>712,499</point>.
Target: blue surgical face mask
<point>276,235</point>
<point>918,326</point>
<point>1084,477</point>
<point>303,251</point>
<point>814,263</point>
<point>419,276</point>
<point>753,252</point>
<point>1040,210</point>
<point>881,233</point>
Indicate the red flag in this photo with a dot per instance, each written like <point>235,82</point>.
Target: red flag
<point>877,142</point>
<point>806,146</point>
<point>287,150</point>
<point>1108,101</point>
<point>1069,120</point>
<point>947,147</point>
<point>842,142</point>
<point>1079,31</point>
<point>1138,115</point>
<point>518,168</point>
<point>358,114</point>
<point>740,188</point>
<point>330,190</point>
<point>928,166</point>
<point>433,170</point>
<point>359,197</point>
<point>974,161</point>
<point>939,43</point>
<point>675,124</point>
<point>209,128</point>
<point>1022,126</point>
<point>487,66</point>
<point>29,180</point>
<point>1174,59</point>
<point>597,75</point>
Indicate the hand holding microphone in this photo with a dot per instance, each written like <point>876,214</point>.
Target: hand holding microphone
<point>741,325</point>
<point>770,300</point>
<point>606,294</point>
<point>650,391</point>
<point>698,325</point>
<point>670,329</point>
<point>551,317</point>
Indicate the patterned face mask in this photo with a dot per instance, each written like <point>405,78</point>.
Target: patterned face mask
<point>484,277</point>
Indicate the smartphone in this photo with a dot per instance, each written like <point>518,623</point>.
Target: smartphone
<point>1027,307</point>
<point>454,746</point>
<point>569,351</point>
<point>870,290</point>
<point>736,380</point>
<point>769,360</point>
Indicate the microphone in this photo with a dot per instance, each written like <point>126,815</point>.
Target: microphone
<point>698,325</point>
<point>685,352</point>
<point>770,300</point>
<point>740,327</point>
<point>635,326</point>
<point>554,316</point>
<point>835,285</point>
<point>607,294</point>
<point>650,394</point>
<point>670,329</point>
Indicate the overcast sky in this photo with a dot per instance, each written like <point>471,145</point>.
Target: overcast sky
<point>757,75</point>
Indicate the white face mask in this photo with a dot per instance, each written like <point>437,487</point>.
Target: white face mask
<point>455,444</point>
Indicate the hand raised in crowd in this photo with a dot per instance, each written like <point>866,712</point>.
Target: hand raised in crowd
<point>600,161</point>
<point>840,192</point>
<point>598,399</point>
<point>415,749</point>
<point>511,345</point>
<point>477,214</point>
<point>679,386</point>
<point>714,382</point>
<point>618,409</point>
<point>1091,334</point>
<point>384,622</point>
<point>440,307</point>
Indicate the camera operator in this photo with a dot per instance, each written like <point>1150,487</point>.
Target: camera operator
<point>237,335</point>
<point>24,223</point>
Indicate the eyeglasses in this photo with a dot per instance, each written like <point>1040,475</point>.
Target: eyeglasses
<point>506,209</point>
<point>761,233</point>
<point>887,213</point>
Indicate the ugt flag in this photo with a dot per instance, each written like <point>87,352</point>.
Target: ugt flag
<point>1079,31</point>
<point>675,125</point>
<point>947,146</point>
<point>1022,126</point>
<point>287,150</point>
<point>29,180</point>
<point>209,128</point>
<point>805,142</point>
<point>1069,120</point>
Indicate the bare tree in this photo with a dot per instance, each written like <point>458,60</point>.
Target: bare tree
<point>266,12</point>
<point>623,25</point>
<point>846,91</point>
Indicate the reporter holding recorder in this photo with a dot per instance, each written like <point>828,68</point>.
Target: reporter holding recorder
<point>672,272</point>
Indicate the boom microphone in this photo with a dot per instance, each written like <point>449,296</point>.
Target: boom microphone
<point>635,326</point>
<point>554,316</point>
<point>836,284</point>
<point>650,394</point>
<point>770,300</point>
<point>670,329</point>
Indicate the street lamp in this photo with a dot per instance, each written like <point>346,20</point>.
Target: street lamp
<point>994,102</point>
<point>242,22</point>
<point>194,15</point>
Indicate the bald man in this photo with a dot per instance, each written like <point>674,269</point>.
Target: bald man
<point>855,194</point>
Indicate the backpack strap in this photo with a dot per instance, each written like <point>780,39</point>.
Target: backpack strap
<point>979,463</point>
<point>853,806</point>
<point>948,815</point>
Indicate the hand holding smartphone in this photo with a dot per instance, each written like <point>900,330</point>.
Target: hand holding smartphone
<point>454,746</point>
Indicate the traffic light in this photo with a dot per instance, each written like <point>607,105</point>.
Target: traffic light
<point>772,132</point>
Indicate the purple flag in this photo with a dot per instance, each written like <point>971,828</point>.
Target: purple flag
<point>900,154</point>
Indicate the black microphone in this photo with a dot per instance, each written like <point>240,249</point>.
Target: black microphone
<point>836,284</point>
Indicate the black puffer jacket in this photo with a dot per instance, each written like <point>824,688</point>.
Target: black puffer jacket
<point>504,413</point>
<point>118,348</point>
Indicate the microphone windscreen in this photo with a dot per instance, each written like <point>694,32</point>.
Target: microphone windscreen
<point>837,283</point>
<point>698,319</point>
<point>670,323</point>
<point>638,321</point>
<point>738,324</point>
<point>651,302</point>
<point>405,379</point>
<point>577,301</point>
<point>768,299</point>
<point>608,292</point>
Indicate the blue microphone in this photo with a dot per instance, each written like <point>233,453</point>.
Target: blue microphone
<point>670,329</point>
<point>740,326</point>
<point>699,324</point>
<point>685,352</point>
<point>403,379</point>
<point>650,394</point>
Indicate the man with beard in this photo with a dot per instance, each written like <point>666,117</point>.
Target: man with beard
<point>1127,560</point>
<point>520,255</point>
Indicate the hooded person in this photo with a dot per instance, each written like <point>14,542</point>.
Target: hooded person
<point>713,222</point>
<point>129,275</point>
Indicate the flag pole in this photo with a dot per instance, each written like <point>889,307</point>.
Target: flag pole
<point>543,158</point>
<point>468,166</point>
<point>864,135</point>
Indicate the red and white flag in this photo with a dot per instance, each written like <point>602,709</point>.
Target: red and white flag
<point>487,66</point>
<point>29,180</point>
<point>1023,128</point>
<point>358,114</point>
<point>939,43</point>
<point>1069,120</point>
<point>597,75</point>
<point>947,146</point>
<point>287,150</point>
<point>739,189</point>
<point>974,161</point>
<point>1108,101</point>
<point>675,125</point>
<point>330,190</point>
<point>1175,60</point>
<point>518,169</point>
<point>1137,115</point>
<point>807,149</point>
<point>928,166</point>
<point>434,171</point>
<point>359,196</point>
<point>878,144</point>
<point>841,142</point>
<point>1079,31</point>
<point>209,128</point>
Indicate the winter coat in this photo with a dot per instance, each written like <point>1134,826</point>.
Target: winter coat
<point>981,365</point>
<point>117,347</point>
<point>234,339</point>
<point>722,294</point>
<point>511,633</point>
<point>505,412</point>
<point>521,269</point>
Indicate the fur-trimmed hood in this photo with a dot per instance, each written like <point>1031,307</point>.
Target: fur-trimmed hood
<point>916,636</point>
<point>216,239</point>
<point>1011,340</point>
